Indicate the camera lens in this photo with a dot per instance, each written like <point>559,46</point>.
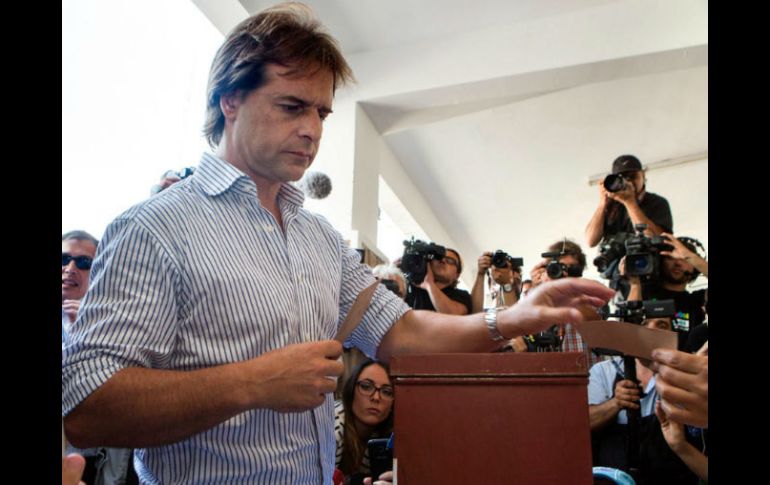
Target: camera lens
<point>614,183</point>
<point>554,270</point>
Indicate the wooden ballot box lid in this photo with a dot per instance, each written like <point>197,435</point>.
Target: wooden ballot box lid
<point>498,418</point>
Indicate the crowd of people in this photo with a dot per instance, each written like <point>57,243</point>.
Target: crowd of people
<point>198,336</point>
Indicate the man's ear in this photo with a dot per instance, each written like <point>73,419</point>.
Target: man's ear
<point>229,104</point>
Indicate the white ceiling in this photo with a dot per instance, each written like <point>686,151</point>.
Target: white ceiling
<point>502,150</point>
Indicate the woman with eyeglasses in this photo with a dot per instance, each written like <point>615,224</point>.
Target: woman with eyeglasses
<point>365,412</point>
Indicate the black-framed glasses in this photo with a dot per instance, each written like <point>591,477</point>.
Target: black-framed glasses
<point>367,388</point>
<point>81,262</point>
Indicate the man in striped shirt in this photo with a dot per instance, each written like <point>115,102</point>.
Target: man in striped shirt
<point>205,338</point>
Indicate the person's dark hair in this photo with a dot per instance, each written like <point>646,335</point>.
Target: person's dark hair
<point>525,282</point>
<point>79,236</point>
<point>690,243</point>
<point>286,34</point>
<point>565,246</point>
<point>353,446</point>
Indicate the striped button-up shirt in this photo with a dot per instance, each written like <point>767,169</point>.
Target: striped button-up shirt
<point>202,275</point>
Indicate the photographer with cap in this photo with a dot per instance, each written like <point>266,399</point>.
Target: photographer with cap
<point>623,203</point>
<point>438,291</point>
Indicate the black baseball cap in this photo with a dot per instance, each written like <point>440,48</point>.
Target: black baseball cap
<point>626,163</point>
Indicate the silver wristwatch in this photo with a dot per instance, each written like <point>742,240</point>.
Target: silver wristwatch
<point>507,287</point>
<point>490,318</point>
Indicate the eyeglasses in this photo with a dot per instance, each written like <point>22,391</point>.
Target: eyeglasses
<point>450,260</point>
<point>81,262</point>
<point>367,388</point>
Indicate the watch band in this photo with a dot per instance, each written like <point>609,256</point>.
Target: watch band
<point>490,318</point>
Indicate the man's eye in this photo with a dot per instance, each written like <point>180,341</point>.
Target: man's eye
<point>292,108</point>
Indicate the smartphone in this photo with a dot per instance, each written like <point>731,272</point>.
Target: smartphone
<point>380,457</point>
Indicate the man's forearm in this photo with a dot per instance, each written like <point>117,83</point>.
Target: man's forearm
<point>422,331</point>
<point>599,415</point>
<point>140,407</point>
<point>595,227</point>
<point>637,216</point>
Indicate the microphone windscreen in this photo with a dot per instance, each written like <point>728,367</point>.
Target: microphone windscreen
<point>316,185</point>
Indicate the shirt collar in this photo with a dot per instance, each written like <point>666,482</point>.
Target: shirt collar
<point>216,176</point>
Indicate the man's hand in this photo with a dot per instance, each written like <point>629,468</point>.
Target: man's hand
<point>72,467</point>
<point>604,194</point>
<point>538,272</point>
<point>428,281</point>
<point>70,308</point>
<point>673,432</point>
<point>484,263</point>
<point>296,377</point>
<point>384,479</point>
<point>680,251</point>
<point>627,195</point>
<point>551,303</point>
<point>627,394</point>
<point>682,383</point>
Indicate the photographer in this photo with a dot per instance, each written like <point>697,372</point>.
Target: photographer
<point>498,267</point>
<point>567,260</point>
<point>438,290</point>
<point>623,203</point>
<point>678,267</point>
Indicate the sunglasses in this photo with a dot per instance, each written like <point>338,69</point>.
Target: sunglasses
<point>81,262</point>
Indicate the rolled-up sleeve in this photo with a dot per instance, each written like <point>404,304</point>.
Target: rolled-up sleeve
<point>128,317</point>
<point>384,310</point>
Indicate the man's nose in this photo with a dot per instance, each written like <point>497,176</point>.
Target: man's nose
<point>312,126</point>
<point>69,267</point>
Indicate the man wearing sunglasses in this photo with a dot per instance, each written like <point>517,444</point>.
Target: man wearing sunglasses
<point>438,292</point>
<point>77,252</point>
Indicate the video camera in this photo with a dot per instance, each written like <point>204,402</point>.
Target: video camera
<point>638,311</point>
<point>556,270</point>
<point>501,258</point>
<point>643,254</point>
<point>414,262</point>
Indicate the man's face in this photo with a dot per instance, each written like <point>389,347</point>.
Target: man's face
<point>445,270</point>
<point>676,271</point>
<point>276,128</point>
<point>74,281</point>
<point>526,287</point>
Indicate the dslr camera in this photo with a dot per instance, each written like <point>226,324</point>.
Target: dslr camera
<point>643,254</point>
<point>614,182</point>
<point>556,270</point>
<point>501,258</point>
<point>414,262</point>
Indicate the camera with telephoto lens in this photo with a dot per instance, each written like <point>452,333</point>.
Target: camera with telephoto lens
<point>614,182</point>
<point>643,254</point>
<point>414,262</point>
<point>500,259</point>
<point>556,270</point>
<point>546,341</point>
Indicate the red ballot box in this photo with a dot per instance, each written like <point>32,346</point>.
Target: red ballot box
<point>504,418</point>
